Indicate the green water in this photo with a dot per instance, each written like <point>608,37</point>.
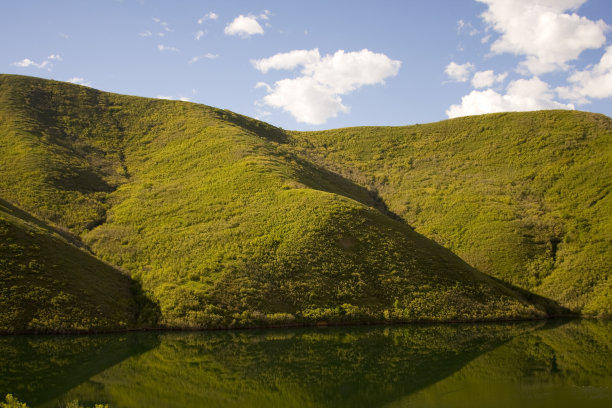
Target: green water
<point>542,364</point>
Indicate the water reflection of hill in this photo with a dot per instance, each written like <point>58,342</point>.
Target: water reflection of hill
<point>41,368</point>
<point>565,366</point>
<point>332,367</point>
<point>523,364</point>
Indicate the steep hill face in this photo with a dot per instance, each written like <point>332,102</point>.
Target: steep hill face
<point>49,285</point>
<point>524,196</point>
<point>220,221</point>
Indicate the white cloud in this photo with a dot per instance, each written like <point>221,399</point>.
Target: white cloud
<point>79,81</point>
<point>163,47</point>
<point>200,34</point>
<point>208,16</point>
<point>459,72</point>
<point>485,79</point>
<point>205,56</point>
<point>146,33</point>
<point>287,60</point>
<point>543,32</point>
<point>26,62</point>
<point>595,82</point>
<point>45,64</point>
<point>244,26</point>
<point>315,96</point>
<point>172,98</point>
<point>307,100</point>
<point>521,95</point>
<point>265,15</point>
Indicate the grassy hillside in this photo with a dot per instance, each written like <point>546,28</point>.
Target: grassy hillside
<point>220,221</point>
<point>522,196</point>
<point>48,284</point>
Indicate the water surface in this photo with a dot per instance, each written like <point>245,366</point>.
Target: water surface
<point>541,364</point>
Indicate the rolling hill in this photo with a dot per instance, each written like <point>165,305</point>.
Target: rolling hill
<point>199,217</point>
<point>524,197</point>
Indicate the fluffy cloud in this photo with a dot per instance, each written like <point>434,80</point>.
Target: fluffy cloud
<point>521,95</point>
<point>200,34</point>
<point>315,96</point>
<point>26,62</point>
<point>543,31</point>
<point>287,60</point>
<point>595,82</point>
<point>146,33</point>
<point>45,64</point>
<point>459,72</point>
<point>307,100</point>
<point>485,79</point>
<point>208,16</point>
<point>244,26</point>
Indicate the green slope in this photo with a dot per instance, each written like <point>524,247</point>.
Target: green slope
<point>220,221</point>
<point>50,285</point>
<point>524,196</point>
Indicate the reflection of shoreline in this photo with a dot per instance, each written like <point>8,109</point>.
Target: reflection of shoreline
<point>563,365</point>
<point>40,368</point>
<point>425,365</point>
<point>333,366</point>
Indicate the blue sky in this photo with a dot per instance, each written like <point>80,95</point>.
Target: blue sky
<point>324,64</point>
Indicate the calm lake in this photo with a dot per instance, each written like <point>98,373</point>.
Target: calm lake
<point>534,364</point>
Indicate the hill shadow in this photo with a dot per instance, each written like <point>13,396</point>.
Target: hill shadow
<point>36,369</point>
<point>24,215</point>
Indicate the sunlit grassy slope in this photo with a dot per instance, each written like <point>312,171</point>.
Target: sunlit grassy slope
<point>524,196</point>
<point>220,221</point>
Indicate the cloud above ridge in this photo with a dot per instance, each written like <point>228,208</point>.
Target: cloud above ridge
<point>543,31</point>
<point>315,95</point>
<point>521,95</point>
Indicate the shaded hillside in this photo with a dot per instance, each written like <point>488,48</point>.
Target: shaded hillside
<point>521,196</point>
<point>221,223</point>
<point>50,285</point>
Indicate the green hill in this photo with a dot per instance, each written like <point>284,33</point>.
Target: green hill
<point>225,221</point>
<point>48,284</point>
<point>524,196</point>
